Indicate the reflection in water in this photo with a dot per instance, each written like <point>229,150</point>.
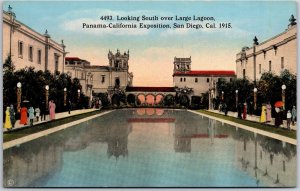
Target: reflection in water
<point>155,148</point>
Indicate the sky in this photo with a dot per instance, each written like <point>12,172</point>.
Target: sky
<point>152,51</point>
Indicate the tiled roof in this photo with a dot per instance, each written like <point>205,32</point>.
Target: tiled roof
<point>72,58</point>
<point>150,89</point>
<point>206,72</point>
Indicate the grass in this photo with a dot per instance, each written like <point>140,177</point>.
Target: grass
<point>257,125</point>
<point>21,132</point>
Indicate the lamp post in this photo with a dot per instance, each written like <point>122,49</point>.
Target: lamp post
<point>222,96</point>
<point>78,94</point>
<point>65,96</point>
<point>19,94</point>
<point>283,87</point>
<point>255,92</point>
<point>236,98</point>
<point>47,94</point>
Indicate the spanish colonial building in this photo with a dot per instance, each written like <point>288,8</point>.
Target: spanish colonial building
<point>29,48</point>
<point>101,79</point>
<point>199,81</point>
<point>273,55</point>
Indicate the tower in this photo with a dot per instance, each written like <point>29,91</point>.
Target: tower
<point>118,61</point>
<point>182,64</point>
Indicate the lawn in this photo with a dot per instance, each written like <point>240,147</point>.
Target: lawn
<point>257,125</point>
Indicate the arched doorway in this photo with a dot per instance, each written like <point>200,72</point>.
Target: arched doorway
<point>140,99</point>
<point>150,99</point>
<point>131,99</point>
<point>159,99</point>
<point>169,100</point>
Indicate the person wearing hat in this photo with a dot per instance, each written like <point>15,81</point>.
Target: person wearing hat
<point>288,119</point>
<point>294,114</point>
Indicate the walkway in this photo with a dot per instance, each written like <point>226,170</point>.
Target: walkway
<point>57,116</point>
<point>255,118</point>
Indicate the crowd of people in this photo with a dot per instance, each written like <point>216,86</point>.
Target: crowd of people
<point>28,115</point>
<point>266,113</point>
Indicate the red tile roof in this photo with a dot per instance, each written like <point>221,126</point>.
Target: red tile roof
<point>206,72</point>
<point>150,89</point>
<point>72,58</point>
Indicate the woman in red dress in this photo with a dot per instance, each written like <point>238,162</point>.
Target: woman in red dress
<point>23,119</point>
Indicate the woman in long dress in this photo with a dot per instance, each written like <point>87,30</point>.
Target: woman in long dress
<point>269,110</point>
<point>263,114</point>
<point>23,112</point>
<point>52,110</point>
<point>245,111</point>
<point>7,123</point>
<point>12,115</point>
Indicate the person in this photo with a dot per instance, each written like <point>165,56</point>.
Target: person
<point>100,104</point>
<point>251,108</point>
<point>263,114</point>
<point>7,123</point>
<point>268,112</point>
<point>225,109</point>
<point>52,110</point>
<point>245,111</point>
<point>37,113</point>
<point>277,117</point>
<point>288,120</point>
<point>23,119</point>
<point>240,106</point>
<point>12,115</point>
<point>294,115</point>
<point>31,115</point>
<point>69,106</point>
<point>43,111</point>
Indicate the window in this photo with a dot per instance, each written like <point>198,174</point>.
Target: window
<point>270,66</point>
<point>230,79</point>
<point>20,49</point>
<point>259,69</point>
<point>39,56</point>
<point>207,80</point>
<point>180,79</point>
<point>282,62</point>
<point>264,54</point>
<point>103,79</point>
<point>82,75</point>
<point>56,57</point>
<point>177,66</point>
<point>187,66</point>
<point>184,79</point>
<point>30,53</point>
<point>244,73</point>
<point>196,80</point>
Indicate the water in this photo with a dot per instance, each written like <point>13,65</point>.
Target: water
<point>151,148</point>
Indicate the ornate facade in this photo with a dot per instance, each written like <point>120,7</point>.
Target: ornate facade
<point>101,79</point>
<point>273,55</point>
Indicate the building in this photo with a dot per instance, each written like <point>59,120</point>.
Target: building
<point>101,79</point>
<point>29,48</point>
<point>200,81</point>
<point>273,55</point>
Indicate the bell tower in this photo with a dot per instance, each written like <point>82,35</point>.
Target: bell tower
<point>118,61</point>
<point>182,64</point>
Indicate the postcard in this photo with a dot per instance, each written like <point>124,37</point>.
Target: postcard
<point>149,94</point>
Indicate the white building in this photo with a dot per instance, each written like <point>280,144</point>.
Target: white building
<point>101,79</point>
<point>200,81</point>
<point>29,48</point>
<point>273,55</point>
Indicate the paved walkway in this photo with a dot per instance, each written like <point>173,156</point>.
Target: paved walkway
<point>255,118</point>
<point>57,116</point>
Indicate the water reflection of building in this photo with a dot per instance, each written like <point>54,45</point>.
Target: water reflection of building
<point>25,166</point>
<point>117,140</point>
<point>271,162</point>
<point>186,131</point>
